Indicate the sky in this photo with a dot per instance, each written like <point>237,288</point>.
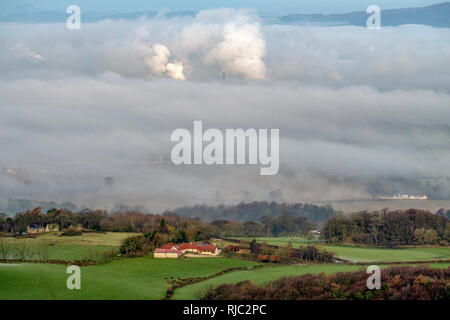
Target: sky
<point>353,106</point>
<point>264,7</point>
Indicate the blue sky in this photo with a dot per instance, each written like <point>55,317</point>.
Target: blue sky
<point>265,7</point>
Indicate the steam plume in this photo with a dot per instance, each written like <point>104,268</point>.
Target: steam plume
<point>241,51</point>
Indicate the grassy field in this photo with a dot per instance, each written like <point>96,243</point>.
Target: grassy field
<point>126,278</point>
<point>88,245</point>
<point>283,241</point>
<point>366,254</point>
<point>140,278</point>
<point>90,238</point>
<point>371,254</point>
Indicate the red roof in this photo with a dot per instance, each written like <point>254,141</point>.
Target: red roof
<point>167,246</point>
<point>185,246</point>
<point>209,247</point>
<point>197,246</point>
<point>188,246</point>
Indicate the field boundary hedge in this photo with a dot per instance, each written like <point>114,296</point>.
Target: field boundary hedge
<point>182,282</point>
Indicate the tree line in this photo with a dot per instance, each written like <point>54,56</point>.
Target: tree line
<point>388,228</point>
<point>177,227</point>
<point>255,211</point>
<point>384,228</point>
<point>286,254</point>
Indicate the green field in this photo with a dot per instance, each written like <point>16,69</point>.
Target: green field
<point>370,254</point>
<point>86,246</point>
<point>125,278</point>
<point>283,241</point>
<point>70,252</point>
<point>365,254</point>
<point>141,278</point>
<point>89,238</point>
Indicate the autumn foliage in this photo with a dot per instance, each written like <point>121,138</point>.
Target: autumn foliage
<point>397,283</point>
<point>388,228</point>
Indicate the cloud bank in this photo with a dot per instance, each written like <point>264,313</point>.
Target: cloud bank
<point>235,42</point>
<point>352,105</point>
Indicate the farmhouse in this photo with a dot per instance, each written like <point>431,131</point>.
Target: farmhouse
<point>167,253</point>
<point>52,228</point>
<point>35,228</point>
<point>197,248</point>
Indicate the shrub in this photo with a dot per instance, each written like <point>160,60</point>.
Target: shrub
<point>72,233</point>
<point>132,246</point>
<point>312,253</point>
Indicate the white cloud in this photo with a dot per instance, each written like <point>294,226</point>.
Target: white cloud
<point>236,41</point>
<point>175,70</point>
<point>241,51</point>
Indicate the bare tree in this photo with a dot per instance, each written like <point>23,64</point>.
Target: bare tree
<point>21,250</point>
<point>4,247</point>
<point>44,251</point>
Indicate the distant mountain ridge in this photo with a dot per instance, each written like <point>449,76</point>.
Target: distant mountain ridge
<point>88,16</point>
<point>437,15</point>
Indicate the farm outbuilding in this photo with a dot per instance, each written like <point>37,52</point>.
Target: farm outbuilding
<point>167,253</point>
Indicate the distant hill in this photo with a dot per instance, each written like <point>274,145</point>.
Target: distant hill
<point>13,206</point>
<point>254,211</point>
<point>437,15</point>
<point>89,16</point>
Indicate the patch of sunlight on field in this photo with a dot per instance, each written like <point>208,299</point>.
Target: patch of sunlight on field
<point>283,241</point>
<point>86,246</point>
<point>439,265</point>
<point>88,238</point>
<point>62,252</point>
<point>124,278</point>
<point>372,254</point>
